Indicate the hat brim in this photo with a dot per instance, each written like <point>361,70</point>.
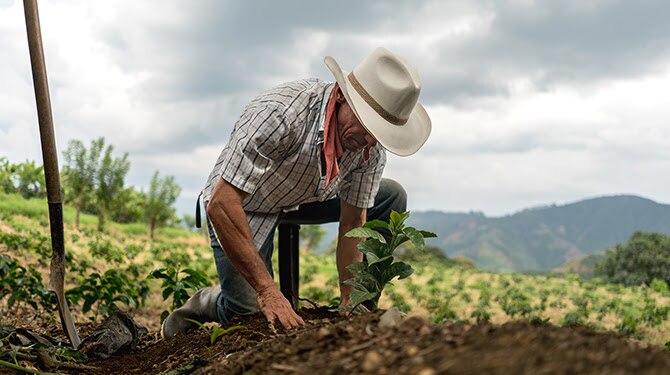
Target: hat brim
<point>402,140</point>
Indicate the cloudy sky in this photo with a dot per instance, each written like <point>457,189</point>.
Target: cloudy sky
<point>532,102</point>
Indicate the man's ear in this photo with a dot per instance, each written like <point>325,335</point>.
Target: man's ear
<point>340,97</point>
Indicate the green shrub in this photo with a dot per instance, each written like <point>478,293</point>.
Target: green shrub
<point>645,257</point>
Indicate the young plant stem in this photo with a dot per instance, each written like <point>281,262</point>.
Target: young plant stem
<point>18,368</point>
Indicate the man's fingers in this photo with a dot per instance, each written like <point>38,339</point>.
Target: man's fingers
<point>275,307</point>
<point>291,320</point>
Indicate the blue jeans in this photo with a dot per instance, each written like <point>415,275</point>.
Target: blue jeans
<point>239,298</point>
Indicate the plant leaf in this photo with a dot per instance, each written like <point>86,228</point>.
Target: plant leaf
<point>356,283</point>
<point>397,219</point>
<point>372,246</point>
<point>416,237</point>
<point>427,234</point>
<point>201,325</point>
<point>376,224</point>
<point>357,268</point>
<point>218,331</point>
<point>400,269</point>
<point>359,296</point>
<point>378,260</point>
<point>362,232</point>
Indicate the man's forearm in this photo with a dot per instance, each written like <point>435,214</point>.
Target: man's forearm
<point>347,253</point>
<point>232,229</point>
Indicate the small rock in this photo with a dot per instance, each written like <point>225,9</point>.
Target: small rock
<point>372,361</point>
<point>424,330</point>
<point>323,332</point>
<point>412,350</point>
<point>426,371</point>
<point>391,318</point>
<point>418,360</point>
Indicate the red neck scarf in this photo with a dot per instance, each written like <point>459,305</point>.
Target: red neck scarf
<point>332,149</point>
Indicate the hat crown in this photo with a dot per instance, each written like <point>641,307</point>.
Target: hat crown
<point>390,81</point>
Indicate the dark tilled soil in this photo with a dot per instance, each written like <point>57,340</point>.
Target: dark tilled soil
<point>331,344</point>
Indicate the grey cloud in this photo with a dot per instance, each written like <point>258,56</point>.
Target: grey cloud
<point>556,42</point>
<point>225,47</point>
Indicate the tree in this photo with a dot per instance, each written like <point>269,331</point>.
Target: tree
<point>79,173</point>
<point>110,178</point>
<point>311,236</point>
<point>129,206</point>
<point>6,172</point>
<point>645,257</point>
<point>163,192</point>
<point>25,178</point>
<point>30,180</point>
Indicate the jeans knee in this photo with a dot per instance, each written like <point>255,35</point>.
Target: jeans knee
<point>396,193</point>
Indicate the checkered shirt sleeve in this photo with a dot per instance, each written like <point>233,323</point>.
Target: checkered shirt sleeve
<point>261,136</point>
<point>363,183</point>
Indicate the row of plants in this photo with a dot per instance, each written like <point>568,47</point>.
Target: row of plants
<point>473,296</point>
<point>105,272</point>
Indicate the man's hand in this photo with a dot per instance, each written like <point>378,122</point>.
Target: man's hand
<point>275,307</point>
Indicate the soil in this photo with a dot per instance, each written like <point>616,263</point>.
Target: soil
<point>333,344</point>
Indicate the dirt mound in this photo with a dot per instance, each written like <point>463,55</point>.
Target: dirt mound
<point>331,344</point>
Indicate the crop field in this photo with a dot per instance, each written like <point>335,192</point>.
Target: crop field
<point>442,293</point>
<point>122,269</point>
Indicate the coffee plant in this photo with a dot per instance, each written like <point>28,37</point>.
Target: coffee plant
<point>378,267</point>
<point>176,284</point>
<point>104,291</point>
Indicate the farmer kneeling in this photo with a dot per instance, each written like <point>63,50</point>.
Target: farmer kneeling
<point>305,152</point>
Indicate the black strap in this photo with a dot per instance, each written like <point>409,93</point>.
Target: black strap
<point>198,221</point>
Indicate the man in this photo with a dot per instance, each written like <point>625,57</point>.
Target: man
<point>304,152</point>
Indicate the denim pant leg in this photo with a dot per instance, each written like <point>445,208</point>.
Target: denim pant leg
<point>237,296</point>
<point>391,196</point>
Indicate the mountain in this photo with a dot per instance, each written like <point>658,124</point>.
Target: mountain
<point>542,238</point>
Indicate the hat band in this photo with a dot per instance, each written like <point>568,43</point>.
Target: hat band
<point>373,103</point>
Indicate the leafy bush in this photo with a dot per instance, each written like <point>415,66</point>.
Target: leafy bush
<point>644,258</point>
<point>24,285</point>
<point>105,290</point>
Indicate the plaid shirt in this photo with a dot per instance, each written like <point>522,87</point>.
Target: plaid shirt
<point>274,154</point>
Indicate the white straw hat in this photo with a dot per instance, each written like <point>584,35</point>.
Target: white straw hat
<point>383,91</point>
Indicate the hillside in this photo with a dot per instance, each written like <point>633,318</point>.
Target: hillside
<point>543,238</point>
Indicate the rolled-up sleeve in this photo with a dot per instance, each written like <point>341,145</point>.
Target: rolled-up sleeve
<point>361,189</point>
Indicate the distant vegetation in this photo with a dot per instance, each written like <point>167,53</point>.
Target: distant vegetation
<point>543,238</point>
<point>642,260</point>
<point>93,182</point>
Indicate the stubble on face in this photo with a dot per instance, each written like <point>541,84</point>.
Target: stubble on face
<point>353,135</point>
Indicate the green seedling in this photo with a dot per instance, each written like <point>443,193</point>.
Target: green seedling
<point>378,267</point>
<point>176,284</point>
<point>216,331</point>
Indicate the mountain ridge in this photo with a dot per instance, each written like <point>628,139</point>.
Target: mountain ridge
<point>543,237</point>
